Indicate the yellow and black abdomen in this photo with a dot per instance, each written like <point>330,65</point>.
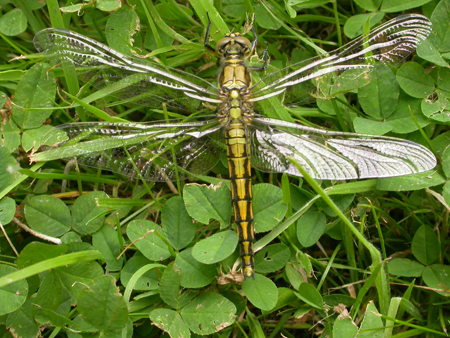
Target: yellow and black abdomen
<point>238,153</point>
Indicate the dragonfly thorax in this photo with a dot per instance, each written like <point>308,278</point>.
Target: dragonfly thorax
<point>235,80</point>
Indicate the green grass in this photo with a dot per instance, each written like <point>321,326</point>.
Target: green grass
<point>378,248</point>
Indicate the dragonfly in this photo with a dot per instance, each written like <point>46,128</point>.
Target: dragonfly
<point>175,149</point>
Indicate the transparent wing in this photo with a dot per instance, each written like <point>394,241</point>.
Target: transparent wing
<point>333,155</point>
<point>155,151</point>
<point>389,43</point>
<point>133,79</point>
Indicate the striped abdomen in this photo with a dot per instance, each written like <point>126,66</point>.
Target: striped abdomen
<point>238,152</point>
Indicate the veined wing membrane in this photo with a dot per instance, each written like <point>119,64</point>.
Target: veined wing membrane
<point>130,78</point>
<point>389,43</point>
<point>333,155</point>
<point>160,151</point>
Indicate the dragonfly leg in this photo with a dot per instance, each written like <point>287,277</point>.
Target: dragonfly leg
<point>265,57</point>
<point>264,54</point>
<point>254,41</point>
<point>207,45</point>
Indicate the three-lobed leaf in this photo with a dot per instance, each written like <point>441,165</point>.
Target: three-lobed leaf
<point>102,306</point>
<point>48,215</point>
<point>208,313</point>
<point>261,292</point>
<point>7,210</point>
<point>13,22</point>
<point>13,295</point>
<point>310,227</point>
<point>272,258</point>
<point>425,245</point>
<point>413,79</point>
<point>34,97</point>
<point>204,203</point>
<point>215,248</point>
<point>194,274</point>
<point>170,321</point>
<point>379,97</point>
<point>268,206</point>
<point>144,235</point>
<point>106,241</point>
<point>178,226</point>
<point>148,281</point>
<point>87,217</point>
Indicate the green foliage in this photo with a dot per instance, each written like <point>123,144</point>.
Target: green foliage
<point>13,295</point>
<point>137,259</point>
<point>13,23</point>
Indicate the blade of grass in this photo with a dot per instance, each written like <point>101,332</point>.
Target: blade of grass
<point>83,256</point>
<point>383,294</point>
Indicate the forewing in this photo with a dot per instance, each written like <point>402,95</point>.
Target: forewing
<point>333,155</point>
<point>133,79</point>
<point>389,43</point>
<point>153,151</point>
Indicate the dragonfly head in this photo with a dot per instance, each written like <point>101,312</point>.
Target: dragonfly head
<point>234,44</point>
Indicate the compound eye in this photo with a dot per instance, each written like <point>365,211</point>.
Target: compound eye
<point>244,42</point>
<point>222,43</point>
